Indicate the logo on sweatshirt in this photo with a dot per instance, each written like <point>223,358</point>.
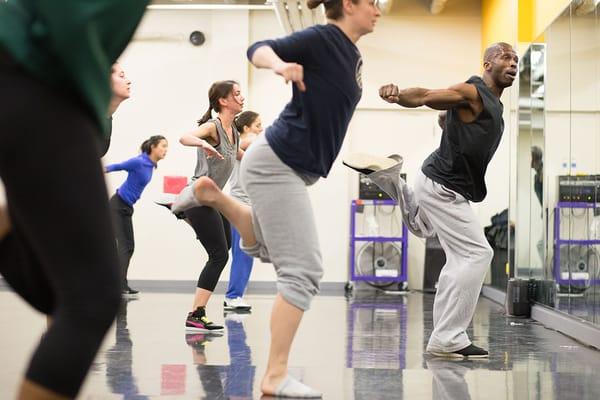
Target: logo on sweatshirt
<point>358,72</point>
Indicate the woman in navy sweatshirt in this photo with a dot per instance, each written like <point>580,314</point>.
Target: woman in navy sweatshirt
<point>297,150</point>
<point>139,172</point>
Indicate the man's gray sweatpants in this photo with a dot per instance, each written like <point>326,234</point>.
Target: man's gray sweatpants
<point>433,209</point>
<point>284,223</point>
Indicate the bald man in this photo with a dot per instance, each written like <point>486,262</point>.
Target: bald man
<point>450,178</point>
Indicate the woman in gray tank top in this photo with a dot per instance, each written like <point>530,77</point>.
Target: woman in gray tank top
<point>217,143</point>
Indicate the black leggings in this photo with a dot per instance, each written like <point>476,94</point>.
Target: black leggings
<point>214,232</point>
<point>121,215</point>
<point>60,255</point>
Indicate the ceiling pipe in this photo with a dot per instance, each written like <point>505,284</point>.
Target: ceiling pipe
<point>294,15</point>
<point>584,7</point>
<point>437,6</point>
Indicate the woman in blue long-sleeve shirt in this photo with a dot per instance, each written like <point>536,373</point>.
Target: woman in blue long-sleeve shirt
<point>139,172</point>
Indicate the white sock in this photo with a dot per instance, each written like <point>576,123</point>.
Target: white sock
<point>290,387</point>
<point>185,200</point>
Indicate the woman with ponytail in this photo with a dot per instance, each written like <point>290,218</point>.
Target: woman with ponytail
<point>325,66</point>
<point>217,148</point>
<point>139,172</point>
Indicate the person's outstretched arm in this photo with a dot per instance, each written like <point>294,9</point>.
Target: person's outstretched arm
<point>461,95</point>
<point>128,165</point>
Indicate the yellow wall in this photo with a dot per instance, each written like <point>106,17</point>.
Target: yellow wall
<point>514,21</point>
<point>526,20</point>
<point>536,15</point>
<point>498,22</point>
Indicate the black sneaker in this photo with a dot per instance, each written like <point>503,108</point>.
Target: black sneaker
<point>167,205</point>
<point>469,352</point>
<point>367,163</point>
<point>197,322</point>
<point>129,292</point>
<point>132,291</point>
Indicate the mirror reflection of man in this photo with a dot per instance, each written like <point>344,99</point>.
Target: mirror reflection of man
<point>537,164</point>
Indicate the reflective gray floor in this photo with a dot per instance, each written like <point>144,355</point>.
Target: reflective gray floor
<point>582,305</point>
<point>370,347</point>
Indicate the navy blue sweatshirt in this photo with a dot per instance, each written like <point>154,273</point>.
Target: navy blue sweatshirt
<point>308,134</point>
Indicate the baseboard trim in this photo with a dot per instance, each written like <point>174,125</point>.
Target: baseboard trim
<point>494,294</point>
<point>187,286</point>
<point>577,328</point>
<point>254,287</point>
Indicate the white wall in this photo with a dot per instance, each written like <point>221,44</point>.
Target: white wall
<point>171,80</point>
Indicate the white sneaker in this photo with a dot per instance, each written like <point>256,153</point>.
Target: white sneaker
<point>367,163</point>
<point>236,304</point>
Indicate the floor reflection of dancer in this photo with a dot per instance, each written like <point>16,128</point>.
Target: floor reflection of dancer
<point>448,379</point>
<point>240,373</point>
<point>210,375</point>
<point>119,359</point>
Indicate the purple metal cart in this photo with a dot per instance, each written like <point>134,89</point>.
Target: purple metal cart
<point>558,242</point>
<point>402,278</point>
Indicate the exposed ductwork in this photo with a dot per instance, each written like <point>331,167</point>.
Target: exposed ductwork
<point>584,7</point>
<point>294,15</point>
<point>437,6</point>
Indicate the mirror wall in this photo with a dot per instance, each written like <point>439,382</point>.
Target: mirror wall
<point>556,177</point>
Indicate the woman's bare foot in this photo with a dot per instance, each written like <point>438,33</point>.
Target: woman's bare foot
<point>206,191</point>
<point>32,391</point>
<point>270,383</point>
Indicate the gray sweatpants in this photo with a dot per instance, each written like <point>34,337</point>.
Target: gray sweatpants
<point>284,223</point>
<point>433,209</point>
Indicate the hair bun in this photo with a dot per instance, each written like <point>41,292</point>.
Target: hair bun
<point>314,3</point>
